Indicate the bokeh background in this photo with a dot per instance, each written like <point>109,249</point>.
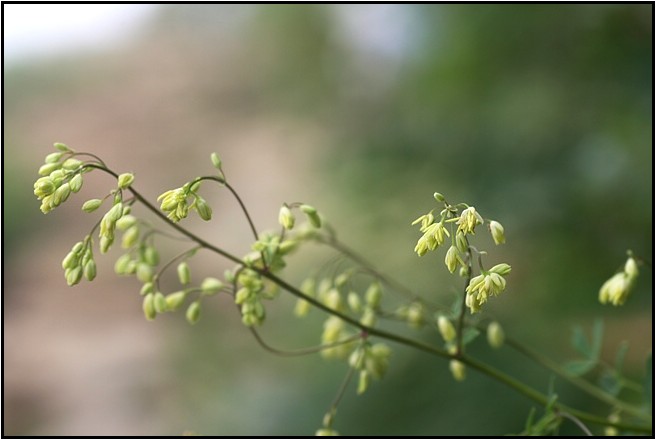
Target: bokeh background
<point>540,116</point>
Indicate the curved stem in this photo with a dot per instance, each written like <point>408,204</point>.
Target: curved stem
<point>463,305</point>
<point>477,365</point>
<point>300,351</point>
<point>576,421</point>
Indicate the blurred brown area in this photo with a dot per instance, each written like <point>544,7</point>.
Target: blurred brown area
<point>540,116</point>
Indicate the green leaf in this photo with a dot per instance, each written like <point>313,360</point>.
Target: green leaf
<point>580,343</point>
<point>469,334</point>
<point>580,367</point>
<point>610,382</point>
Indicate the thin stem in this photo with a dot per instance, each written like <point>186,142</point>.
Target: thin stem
<point>463,305</point>
<point>576,421</point>
<point>300,351</point>
<point>483,368</point>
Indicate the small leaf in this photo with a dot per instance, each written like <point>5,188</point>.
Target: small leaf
<point>580,343</point>
<point>469,334</point>
<point>580,367</point>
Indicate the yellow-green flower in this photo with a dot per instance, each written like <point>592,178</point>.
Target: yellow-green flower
<point>468,220</point>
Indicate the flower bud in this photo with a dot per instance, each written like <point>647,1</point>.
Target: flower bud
<point>457,370</point>
<point>446,328</point>
<point>203,209</point>
<point>76,183</point>
<point>373,295</point>
<point>368,317</point>
<point>147,288</point>
<point>495,335</point>
<point>353,300</point>
<point>184,274</point>
<point>148,306</point>
<point>61,194</point>
<point>301,308</point>
<point>501,269</point>
<point>461,242</point>
<point>121,265</point>
<point>326,432</point>
<point>125,180</point>
<point>193,312</point>
<point>415,316</point>
<point>160,303</point>
<point>312,215</point>
<point>90,270</point>
<point>144,272</point>
<point>91,205</point>
<point>439,197</point>
<point>62,147</point>
<point>286,218</point>
<point>363,381</point>
<point>70,260</point>
<point>451,259</point>
<point>48,168</point>
<point>151,256</point>
<point>105,243</point>
<point>71,164</point>
<point>73,275</point>
<point>130,237</point>
<point>216,161</point>
<point>210,286</point>
<point>497,232</point>
<point>174,300</point>
<point>631,268</point>
<point>54,157</point>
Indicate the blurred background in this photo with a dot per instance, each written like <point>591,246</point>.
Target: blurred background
<point>540,116</point>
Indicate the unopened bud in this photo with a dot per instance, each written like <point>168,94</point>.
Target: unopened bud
<point>76,183</point>
<point>363,381</point>
<point>631,268</point>
<point>446,328</point>
<point>184,274</point>
<point>149,307</point>
<point>216,161</point>
<point>373,295</point>
<point>91,205</point>
<point>160,303</point>
<point>193,312</point>
<point>501,269</point>
<point>497,232</point>
<point>48,168</point>
<point>62,147</point>
<point>210,286</point>
<point>312,215</point>
<point>90,270</point>
<point>174,300</point>
<point>495,335</point>
<point>203,209</point>
<point>457,370</point>
<point>286,218</point>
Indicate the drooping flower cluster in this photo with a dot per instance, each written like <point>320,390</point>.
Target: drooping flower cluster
<point>176,202</point>
<point>61,175</point>
<point>370,361</point>
<point>616,289</point>
<point>487,284</point>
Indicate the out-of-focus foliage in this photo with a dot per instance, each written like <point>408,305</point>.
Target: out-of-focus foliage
<point>540,114</point>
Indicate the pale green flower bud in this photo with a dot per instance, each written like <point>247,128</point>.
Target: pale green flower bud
<point>203,209</point>
<point>90,270</point>
<point>174,300</point>
<point>415,315</point>
<point>333,299</point>
<point>216,161</point>
<point>287,246</point>
<point>159,302</point>
<point>148,306</point>
<point>353,300</point>
<point>76,183</point>
<point>308,287</point>
<point>615,290</point>
<point>326,432</point>
<point>286,218</point>
<point>301,308</point>
<point>91,205</point>
<point>439,197</point>
<point>121,265</point>
<point>446,328</point>
<point>71,164</point>
<point>70,260</point>
<point>497,232</point>
<point>126,221</point>
<point>115,213</point>
<point>457,370</point>
<point>210,286</point>
<point>53,157</point>
<point>61,194</point>
<point>151,256</point>
<point>368,317</point>
<point>373,295</point>
<point>461,242</point>
<point>144,272</point>
<point>48,168</point>
<point>312,215</point>
<point>452,259</point>
<point>73,275</point>
<point>130,237</point>
<point>147,288</point>
<point>184,274</point>
<point>193,312</point>
<point>631,268</point>
<point>62,147</point>
<point>495,335</point>
<point>464,271</point>
<point>44,186</point>
<point>501,269</point>
<point>105,243</point>
<point>125,180</point>
<point>363,382</point>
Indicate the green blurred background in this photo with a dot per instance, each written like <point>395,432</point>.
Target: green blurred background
<point>540,116</point>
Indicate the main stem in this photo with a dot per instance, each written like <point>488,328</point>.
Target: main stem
<point>477,365</point>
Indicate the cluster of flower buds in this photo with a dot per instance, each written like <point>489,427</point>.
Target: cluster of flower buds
<point>412,313</point>
<point>79,262</point>
<point>488,283</point>
<point>616,289</point>
<point>61,175</point>
<point>176,202</point>
<point>287,219</point>
<point>249,297</point>
<point>370,361</point>
<point>335,331</point>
